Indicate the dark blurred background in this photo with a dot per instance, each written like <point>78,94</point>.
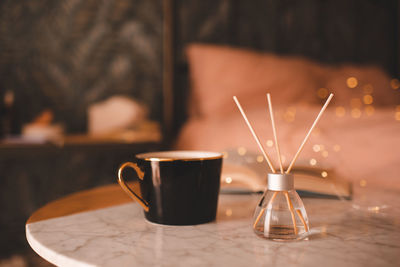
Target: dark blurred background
<point>65,55</point>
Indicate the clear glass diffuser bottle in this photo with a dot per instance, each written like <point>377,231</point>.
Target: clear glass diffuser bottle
<point>280,214</point>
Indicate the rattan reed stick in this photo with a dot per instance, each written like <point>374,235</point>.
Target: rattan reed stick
<point>254,135</point>
<point>302,220</point>
<point>290,206</point>
<point>263,209</point>
<point>309,133</point>
<point>271,113</point>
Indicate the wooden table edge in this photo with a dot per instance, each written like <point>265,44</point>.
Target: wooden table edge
<point>83,201</point>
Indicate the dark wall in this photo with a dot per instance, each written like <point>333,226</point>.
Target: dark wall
<point>331,31</point>
<point>67,54</point>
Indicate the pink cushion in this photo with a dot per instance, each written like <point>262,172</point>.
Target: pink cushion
<point>219,72</point>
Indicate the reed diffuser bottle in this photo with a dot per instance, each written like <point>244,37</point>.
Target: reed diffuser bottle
<point>280,214</point>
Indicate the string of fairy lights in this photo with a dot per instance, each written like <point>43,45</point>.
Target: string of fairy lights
<point>363,104</point>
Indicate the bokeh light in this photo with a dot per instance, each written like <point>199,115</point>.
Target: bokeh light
<point>290,114</point>
<point>356,113</point>
<point>316,148</point>
<point>340,111</point>
<point>270,143</point>
<point>352,82</point>
<point>397,113</point>
<point>322,93</point>
<point>368,99</point>
<point>229,212</point>
<point>242,151</point>
<point>369,110</point>
<point>336,148</point>
<point>395,84</point>
<point>397,116</point>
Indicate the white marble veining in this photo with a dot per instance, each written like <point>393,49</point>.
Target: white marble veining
<point>120,236</point>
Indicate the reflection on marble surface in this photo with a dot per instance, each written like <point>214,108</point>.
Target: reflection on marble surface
<point>120,236</point>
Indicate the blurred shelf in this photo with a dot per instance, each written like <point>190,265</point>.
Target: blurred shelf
<point>133,141</point>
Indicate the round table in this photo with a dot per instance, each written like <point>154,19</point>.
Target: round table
<point>104,227</point>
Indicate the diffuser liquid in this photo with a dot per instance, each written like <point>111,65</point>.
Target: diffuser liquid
<point>280,232</point>
<point>281,215</point>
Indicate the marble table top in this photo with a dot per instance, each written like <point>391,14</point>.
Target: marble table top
<point>344,233</point>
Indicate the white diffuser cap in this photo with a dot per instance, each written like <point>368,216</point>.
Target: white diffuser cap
<point>280,182</point>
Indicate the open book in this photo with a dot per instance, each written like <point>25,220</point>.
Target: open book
<point>308,182</point>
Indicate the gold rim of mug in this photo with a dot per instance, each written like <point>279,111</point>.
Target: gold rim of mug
<point>147,156</point>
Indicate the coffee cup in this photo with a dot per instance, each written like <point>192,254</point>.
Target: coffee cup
<point>176,187</point>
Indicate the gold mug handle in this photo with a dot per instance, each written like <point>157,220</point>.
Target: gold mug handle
<point>125,186</point>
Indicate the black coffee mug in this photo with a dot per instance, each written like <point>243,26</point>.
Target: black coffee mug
<point>176,187</point>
